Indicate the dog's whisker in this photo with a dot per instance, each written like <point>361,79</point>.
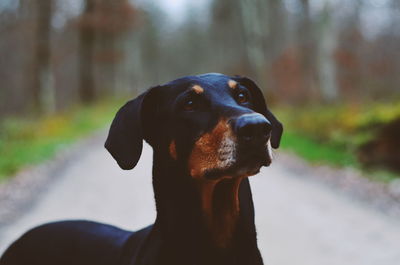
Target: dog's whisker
<point>270,151</point>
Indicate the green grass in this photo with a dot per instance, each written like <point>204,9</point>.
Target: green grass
<point>25,142</point>
<point>327,154</point>
<point>332,134</point>
<point>316,152</point>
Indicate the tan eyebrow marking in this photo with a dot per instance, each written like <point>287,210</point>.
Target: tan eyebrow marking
<point>232,84</point>
<point>198,89</point>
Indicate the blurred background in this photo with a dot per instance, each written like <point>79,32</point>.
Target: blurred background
<point>330,71</point>
<point>331,68</point>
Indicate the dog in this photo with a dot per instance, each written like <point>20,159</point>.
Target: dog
<point>209,133</point>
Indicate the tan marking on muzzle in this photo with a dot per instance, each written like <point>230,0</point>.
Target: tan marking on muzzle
<point>210,150</point>
<point>198,89</point>
<point>232,84</point>
<point>172,150</point>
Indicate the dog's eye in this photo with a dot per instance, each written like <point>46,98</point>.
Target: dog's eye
<point>189,105</point>
<point>242,97</point>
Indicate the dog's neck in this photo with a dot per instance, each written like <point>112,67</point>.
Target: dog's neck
<point>219,204</point>
<point>211,222</point>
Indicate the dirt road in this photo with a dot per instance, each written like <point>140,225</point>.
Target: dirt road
<point>299,221</point>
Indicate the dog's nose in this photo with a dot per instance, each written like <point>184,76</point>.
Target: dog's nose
<point>252,128</point>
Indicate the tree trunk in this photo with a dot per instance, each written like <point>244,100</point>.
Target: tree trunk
<point>43,89</point>
<point>86,49</point>
<point>307,51</point>
<point>277,28</point>
<point>326,63</point>
<point>253,17</point>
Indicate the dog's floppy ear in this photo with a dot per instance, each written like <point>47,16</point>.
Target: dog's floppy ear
<point>125,137</point>
<point>261,107</point>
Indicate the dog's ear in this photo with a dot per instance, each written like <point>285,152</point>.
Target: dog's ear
<point>261,107</point>
<point>125,137</point>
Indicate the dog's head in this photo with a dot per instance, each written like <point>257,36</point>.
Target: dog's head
<point>215,124</point>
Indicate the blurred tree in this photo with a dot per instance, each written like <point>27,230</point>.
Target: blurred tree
<point>277,28</point>
<point>327,37</point>
<point>349,54</point>
<point>42,87</point>
<point>86,50</point>
<point>227,33</point>
<point>114,19</point>
<point>287,46</point>
<point>102,27</point>
<point>254,16</point>
<point>306,39</point>
<point>394,39</point>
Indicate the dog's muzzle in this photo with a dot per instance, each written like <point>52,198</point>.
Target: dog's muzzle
<point>253,132</point>
<point>244,148</point>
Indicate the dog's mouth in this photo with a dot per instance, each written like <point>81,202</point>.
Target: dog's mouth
<point>236,170</point>
<point>241,162</point>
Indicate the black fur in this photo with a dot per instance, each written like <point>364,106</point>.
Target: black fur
<point>261,107</point>
<point>178,236</point>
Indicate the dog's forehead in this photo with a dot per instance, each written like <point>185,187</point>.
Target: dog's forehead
<point>211,82</point>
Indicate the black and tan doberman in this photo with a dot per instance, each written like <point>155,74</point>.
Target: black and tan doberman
<point>209,133</point>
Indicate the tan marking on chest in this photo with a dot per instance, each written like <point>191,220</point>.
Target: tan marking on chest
<point>172,150</point>
<point>220,206</point>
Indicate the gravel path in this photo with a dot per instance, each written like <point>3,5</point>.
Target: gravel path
<point>300,220</point>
